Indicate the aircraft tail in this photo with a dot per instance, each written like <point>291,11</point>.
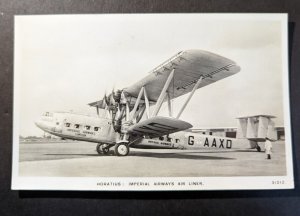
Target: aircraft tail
<point>256,128</point>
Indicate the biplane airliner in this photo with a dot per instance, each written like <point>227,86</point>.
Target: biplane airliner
<point>130,116</point>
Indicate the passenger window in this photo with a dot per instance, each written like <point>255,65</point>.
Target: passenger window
<point>76,126</point>
<point>67,124</point>
<point>96,128</point>
<point>87,127</point>
<point>177,140</point>
<point>161,138</point>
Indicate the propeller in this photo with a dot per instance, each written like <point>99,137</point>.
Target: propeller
<point>102,104</point>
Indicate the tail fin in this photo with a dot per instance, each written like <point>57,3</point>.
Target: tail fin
<point>256,128</point>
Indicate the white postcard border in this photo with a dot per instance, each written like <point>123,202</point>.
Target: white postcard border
<point>162,183</point>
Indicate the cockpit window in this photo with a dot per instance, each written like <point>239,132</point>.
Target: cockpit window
<point>48,114</point>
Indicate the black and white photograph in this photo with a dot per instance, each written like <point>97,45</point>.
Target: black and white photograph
<point>151,102</point>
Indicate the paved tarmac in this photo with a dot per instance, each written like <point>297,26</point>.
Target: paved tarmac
<point>80,159</point>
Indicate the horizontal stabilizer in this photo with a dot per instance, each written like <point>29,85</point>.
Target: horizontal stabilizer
<point>159,126</point>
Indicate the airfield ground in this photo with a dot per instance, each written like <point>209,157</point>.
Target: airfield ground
<point>80,159</point>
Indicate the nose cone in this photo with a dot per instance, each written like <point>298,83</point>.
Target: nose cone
<point>39,124</point>
<point>45,126</point>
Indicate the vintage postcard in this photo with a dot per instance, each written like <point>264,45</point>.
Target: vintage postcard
<point>151,102</point>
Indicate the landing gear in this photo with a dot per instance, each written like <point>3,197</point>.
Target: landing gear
<point>258,148</point>
<point>121,149</point>
<point>102,148</point>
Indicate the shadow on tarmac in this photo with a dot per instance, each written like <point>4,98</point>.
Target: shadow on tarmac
<point>178,156</point>
<point>156,155</point>
<point>71,154</point>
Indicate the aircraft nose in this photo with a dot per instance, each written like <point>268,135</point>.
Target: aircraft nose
<point>45,126</point>
<point>39,124</point>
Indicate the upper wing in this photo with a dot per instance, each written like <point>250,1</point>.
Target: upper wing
<point>189,66</point>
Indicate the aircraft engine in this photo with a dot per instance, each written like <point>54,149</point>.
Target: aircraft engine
<point>115,108</point>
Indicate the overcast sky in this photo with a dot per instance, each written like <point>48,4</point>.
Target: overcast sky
<point>67,61</point>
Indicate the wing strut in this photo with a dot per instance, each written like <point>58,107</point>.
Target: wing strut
<point>127,111</point>
<point>162,95</point>
<point>190,96</point>
<point>147,104</point>
<point>169,105</point>
<point>97,109</point>
<point>140,114</point>
<point>137,103</point>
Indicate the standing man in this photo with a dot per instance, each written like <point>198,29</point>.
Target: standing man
<point>268,148</point>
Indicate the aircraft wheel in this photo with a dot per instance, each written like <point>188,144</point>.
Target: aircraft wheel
<point>105,150</point>
<point>121,149</point>
<point>102,148</point>
<point>99,148</point>
<point>258,148</point>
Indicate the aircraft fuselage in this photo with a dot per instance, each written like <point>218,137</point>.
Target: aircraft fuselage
<point>100,130</point>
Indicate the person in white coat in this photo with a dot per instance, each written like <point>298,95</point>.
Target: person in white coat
<point>268,148</point>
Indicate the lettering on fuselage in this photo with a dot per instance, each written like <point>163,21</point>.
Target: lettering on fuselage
<point>159,143</point>
<point>80,134</point>
<point>216,142</point>
<point>77,132</point>
<point>152,141</point>
<point>88,132</point>
<point>191,140</point>
<point>73,130</point>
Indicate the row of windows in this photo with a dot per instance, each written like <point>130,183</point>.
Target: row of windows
<point>86,127</point>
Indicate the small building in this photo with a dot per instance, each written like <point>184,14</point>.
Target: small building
<point>232,131</point>
<point>223,132</point>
